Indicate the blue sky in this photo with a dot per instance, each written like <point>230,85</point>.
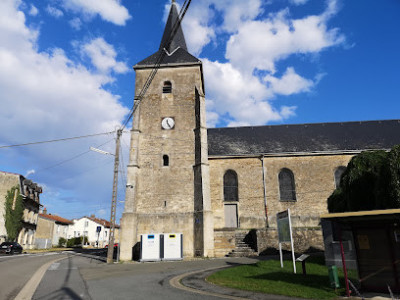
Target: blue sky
<point>66,70</point>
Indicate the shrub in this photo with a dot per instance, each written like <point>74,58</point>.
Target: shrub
<point>62,242</point>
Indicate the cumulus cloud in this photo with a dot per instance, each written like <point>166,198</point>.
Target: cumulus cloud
<point>243,85</point>
<point>260,44</point>
<point>109,10</point>
<point>103,56</point>
<point>47,95</point>
<point>241,97</point>
<point>290,83</point>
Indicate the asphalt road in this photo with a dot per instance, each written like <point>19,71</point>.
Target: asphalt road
<point>84,277</point>
<point>16,270</point>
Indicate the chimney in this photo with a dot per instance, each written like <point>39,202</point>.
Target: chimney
<point>92,216</point>
<point>45,211</point>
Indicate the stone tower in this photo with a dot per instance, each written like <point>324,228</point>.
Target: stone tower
<point>168,184</point>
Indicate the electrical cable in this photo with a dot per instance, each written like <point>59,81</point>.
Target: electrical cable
<point>159,60</point>
<point>57,140</point>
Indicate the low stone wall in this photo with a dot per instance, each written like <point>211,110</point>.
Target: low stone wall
<point>305,239</point>
<point>265,241</point>
<point>224,241</point>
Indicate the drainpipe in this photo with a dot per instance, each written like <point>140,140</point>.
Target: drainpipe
<point>265,191</point>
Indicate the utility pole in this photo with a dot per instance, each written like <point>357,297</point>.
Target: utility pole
<point>110,252</point>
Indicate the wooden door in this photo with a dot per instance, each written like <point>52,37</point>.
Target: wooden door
<point>231,215</point>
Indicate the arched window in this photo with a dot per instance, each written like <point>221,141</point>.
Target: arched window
<point>165,160</point>
<point>287,187</point>
<point>231,186</point>
<point>167,88</point>
<point>338,175</point>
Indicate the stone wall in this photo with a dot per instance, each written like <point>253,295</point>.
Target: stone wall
<point>314,182</point>
<point>304,240</point>
<point>159,198</point>
<point>224,242</point>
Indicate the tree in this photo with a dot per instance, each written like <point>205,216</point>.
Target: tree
<point>14,211</point>
<point>371,181</point>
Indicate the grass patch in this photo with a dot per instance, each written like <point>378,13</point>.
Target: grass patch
<point>269,277</point>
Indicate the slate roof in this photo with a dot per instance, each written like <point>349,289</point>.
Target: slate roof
<point>304,138</point>
<point>176,52</point>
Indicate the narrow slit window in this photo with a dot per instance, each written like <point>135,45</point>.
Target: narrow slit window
<point>167,88</point>
<point>338,175</point>
<point>165,160</point>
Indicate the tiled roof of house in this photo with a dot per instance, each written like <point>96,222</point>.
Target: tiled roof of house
<point>303,138</point>
<point>56,218</point>
<point>103,222</point>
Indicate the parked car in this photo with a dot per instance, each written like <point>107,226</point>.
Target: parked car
<point>10,248</point>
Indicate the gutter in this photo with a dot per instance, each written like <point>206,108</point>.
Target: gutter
<point>265,191</point>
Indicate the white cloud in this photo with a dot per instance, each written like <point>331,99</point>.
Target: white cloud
<point>102,56</point>
<point>30,172</point>
<point>242,98</point>
<point>55,12</point>
<point>76,23</point>
<point>290,83</point>
<point>109,10</point>
<point>46,95</point>
<point>255,44</point>
<point>33,11</point>
<point>260,44</point>
<point>298,2</point>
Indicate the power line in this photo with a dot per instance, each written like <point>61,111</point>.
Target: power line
<point>57,140</point>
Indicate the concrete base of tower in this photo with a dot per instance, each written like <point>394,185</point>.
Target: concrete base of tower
<point>128,236</point>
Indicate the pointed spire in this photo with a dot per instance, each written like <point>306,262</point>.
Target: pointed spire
<point>179,38</point>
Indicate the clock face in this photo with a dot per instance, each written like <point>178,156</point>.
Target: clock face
<point>168,123</point>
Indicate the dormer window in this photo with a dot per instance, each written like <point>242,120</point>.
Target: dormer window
<point>167,88</point>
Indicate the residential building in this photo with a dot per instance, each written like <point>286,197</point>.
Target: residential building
<point>50,228</point>
<point>30,193</point>
<point>96,230</point>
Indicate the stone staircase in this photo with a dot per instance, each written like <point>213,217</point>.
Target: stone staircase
<point>242,249</point>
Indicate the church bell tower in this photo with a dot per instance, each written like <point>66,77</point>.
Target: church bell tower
<point>168,184</point>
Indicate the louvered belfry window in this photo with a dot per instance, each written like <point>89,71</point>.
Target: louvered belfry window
<point>167,88</point>
<point>231,186</point>
<point>287,188</point>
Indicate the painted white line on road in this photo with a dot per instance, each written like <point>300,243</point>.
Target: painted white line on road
<point>30,287</point>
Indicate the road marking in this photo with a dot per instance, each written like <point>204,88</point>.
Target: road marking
<point>176,283</point>
<point>30,287</point>
<point>54,266</point>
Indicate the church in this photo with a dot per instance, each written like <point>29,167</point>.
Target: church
<point>222,187</point>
